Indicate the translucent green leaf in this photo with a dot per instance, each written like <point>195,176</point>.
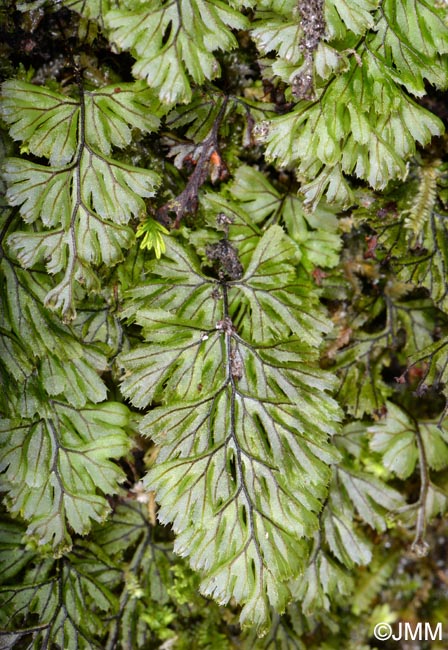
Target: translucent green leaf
<point>216,336</point>
<point>45,120</point>
<point>370,496</point>
<point>113,111</point>
<point>360,121</point>
<point>436,502</point>
<point>359,365</point>
<point>77,381</point>
<point>326,60</point>
<point>88,202</point>
<point>199,115</point>
<point>58,464</point>
<point>58,593</point>
<point>281,307</point>
<point>344,540</point>
<point>239,404</point>
<point>279,303</point>
<point>322,579</point>
<point>173,42</point>
<point>157,586</point>
<point>435,439</point>
<point>413,36</point>
<point>314,232</point>
<point>396,438</point>
<point>49,349</point>
<point>356,493</point>
<point>13,554</point>
<point>285,633</point>
<point>341,15</point>
<point>280,31</point>
<point>91,9</point>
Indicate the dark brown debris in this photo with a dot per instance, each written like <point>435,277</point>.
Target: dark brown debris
<point>227,257</point>
<point>313,26</point>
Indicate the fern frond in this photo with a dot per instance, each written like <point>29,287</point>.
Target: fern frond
<point>57,462</point>
<point>423,203</point>
<point>84,198</point>
<point>344,130</point>
<point>174,41</point>
<point>234,419</point>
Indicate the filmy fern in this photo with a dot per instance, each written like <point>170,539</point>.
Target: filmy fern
<point>172,39</point>
<point>223,322</point>
<point>243,424</point>
<point>84,198</point>
<point>369,134</point>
